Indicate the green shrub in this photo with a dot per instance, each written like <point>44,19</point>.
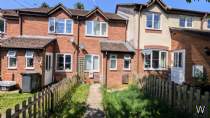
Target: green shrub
<point>132,103</point>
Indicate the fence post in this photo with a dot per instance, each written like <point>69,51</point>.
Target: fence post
<point>170,93</point>
<point>184,101</point>
<point>35,108</point>
<point>24,111</point>
<point>29,109</point>
<point>206,103</point>
<point>190,100</point>
<point>8,113</point>
<point>17,108</point>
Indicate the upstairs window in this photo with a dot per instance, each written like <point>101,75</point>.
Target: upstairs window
<point>153,21</point>
<point>92,63</point>
<point>185,22</point>
<point>96,28</point>
<point>208,24</point>
<point>2,25</point>
<point>60,26</point>
<point>12,60</point>
<point>29,59</point>
<point>155,60</point>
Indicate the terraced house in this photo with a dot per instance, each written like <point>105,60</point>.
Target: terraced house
<point>169,43</point>
<point>139,39</point>
<point>59,42</point>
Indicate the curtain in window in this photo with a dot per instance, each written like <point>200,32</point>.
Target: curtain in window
<point>163,59</point>
<point>59,25</point>
<point>51,25</point>
<point>104,29</point>
<point>89,27</point>
<point>88,62</point>
<point>60,62</point>
<point>68,26</point>
<point>182,22</point>
<point>157,21</point>
<point>147,62</point>
<point>149,20</point>
<point>95,63</point>
<point>96,28</point>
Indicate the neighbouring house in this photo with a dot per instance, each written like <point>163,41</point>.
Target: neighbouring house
<point>169,43</point>
<point>59,42</point>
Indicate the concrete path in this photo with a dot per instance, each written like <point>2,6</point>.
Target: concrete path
<point>94,103</point>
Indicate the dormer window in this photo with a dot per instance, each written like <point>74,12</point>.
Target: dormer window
<point>60,26</point>
<point>208,24</point>
<point>153,20</point>
<point>96,28</point>
<point>185,22</point>
<point>2,25</point>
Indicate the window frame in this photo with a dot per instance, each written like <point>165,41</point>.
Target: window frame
<point>159,60</point>
<point>110,61</point>
<point>8,59</point>
<point>64,62</point>
<point>185,21</point>
<point>29,57</point>
<point>93,55</point>
<point>92,30</point>
<point>65,33</point>
<point>153,21</point>
<point>4,20</point>
<point>127,58</point>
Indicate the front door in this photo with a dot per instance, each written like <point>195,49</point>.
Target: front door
<point>48,68</point>
<point>178,68</point>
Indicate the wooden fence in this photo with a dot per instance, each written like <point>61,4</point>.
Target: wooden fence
<point>179,97</point>
<point>42,103</point>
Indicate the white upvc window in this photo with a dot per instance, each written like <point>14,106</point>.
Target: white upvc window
<point>92,63</point>
<point>208,23</point>
<point>2,25</point>
<point>63,62</point>
<point>185,22</point>
<point>96,28</point>
<point>197,71</point>
<point>156,60</point>
<point>60,26</point>
<point>153,20</point>
<point>29,59</point>
<point>113,62</point>
<point>127,62</point>
<point>12,60</point>
<point>178,60</point>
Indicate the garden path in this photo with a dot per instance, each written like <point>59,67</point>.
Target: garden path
<point>94,103</point>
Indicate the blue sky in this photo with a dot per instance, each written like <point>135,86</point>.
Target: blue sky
<point>106,5</point>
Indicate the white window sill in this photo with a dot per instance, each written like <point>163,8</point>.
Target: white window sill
<point>113,69</point>
<point>88,35</point>
<point>91,71</point>
<point>155,69</point>
<point>126,69</point>
<point>60,33</point>
<point>12,68</point>
<point>153,29</point>
<point>61,71</point>
<point>29,68</point>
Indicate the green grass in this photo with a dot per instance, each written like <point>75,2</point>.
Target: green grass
<point>9,100</point>
<point>74,105</point>
<point>132,103</point>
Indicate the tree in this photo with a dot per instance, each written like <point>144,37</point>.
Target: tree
<point>44,5</point>
<point>79,5</point>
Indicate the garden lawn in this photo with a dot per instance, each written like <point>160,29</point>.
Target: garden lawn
<point>74,105</point>
<point>9,100</point>
<point>132,103</point>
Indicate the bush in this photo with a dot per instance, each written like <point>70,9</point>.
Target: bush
<point>132,103</point>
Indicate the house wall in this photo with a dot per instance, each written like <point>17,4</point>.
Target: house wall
<point>194,47</point>
<point>15,74</point>
<point>12,28</point>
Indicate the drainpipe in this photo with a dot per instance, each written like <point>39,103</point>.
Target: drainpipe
<point>77,47</point>
<point>21,25</point>
<point>106,57</point>
<point>203,19</point>
<point>138,40</point>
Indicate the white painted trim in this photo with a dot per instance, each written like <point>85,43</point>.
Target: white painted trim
<point>115,55</point>
<point>26,57</point>
<point>64,54</point>
<point>8,60</point>
<point>153,17</point>
<point>107,27</point>
<point>72,26</point>
<point>92,55</point>
<point>124,62</point>
<point>4,20</point>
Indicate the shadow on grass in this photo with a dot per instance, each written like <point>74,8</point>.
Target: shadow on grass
<point>132,103</point>
<point>94,113</point>
<point>74,104</point>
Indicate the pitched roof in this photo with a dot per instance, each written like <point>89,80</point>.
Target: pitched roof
<point>115,46</point>
<point>74,12</point>
<point>26,42</point>
<point>164,6</point>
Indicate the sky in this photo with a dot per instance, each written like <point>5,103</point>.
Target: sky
<point>106,5</point>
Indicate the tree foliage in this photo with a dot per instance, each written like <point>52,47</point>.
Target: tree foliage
<point>44,5</point>
<point>189,1</point>
<point>79,5</point>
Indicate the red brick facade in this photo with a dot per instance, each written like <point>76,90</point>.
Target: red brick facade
<point>38,26</point>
